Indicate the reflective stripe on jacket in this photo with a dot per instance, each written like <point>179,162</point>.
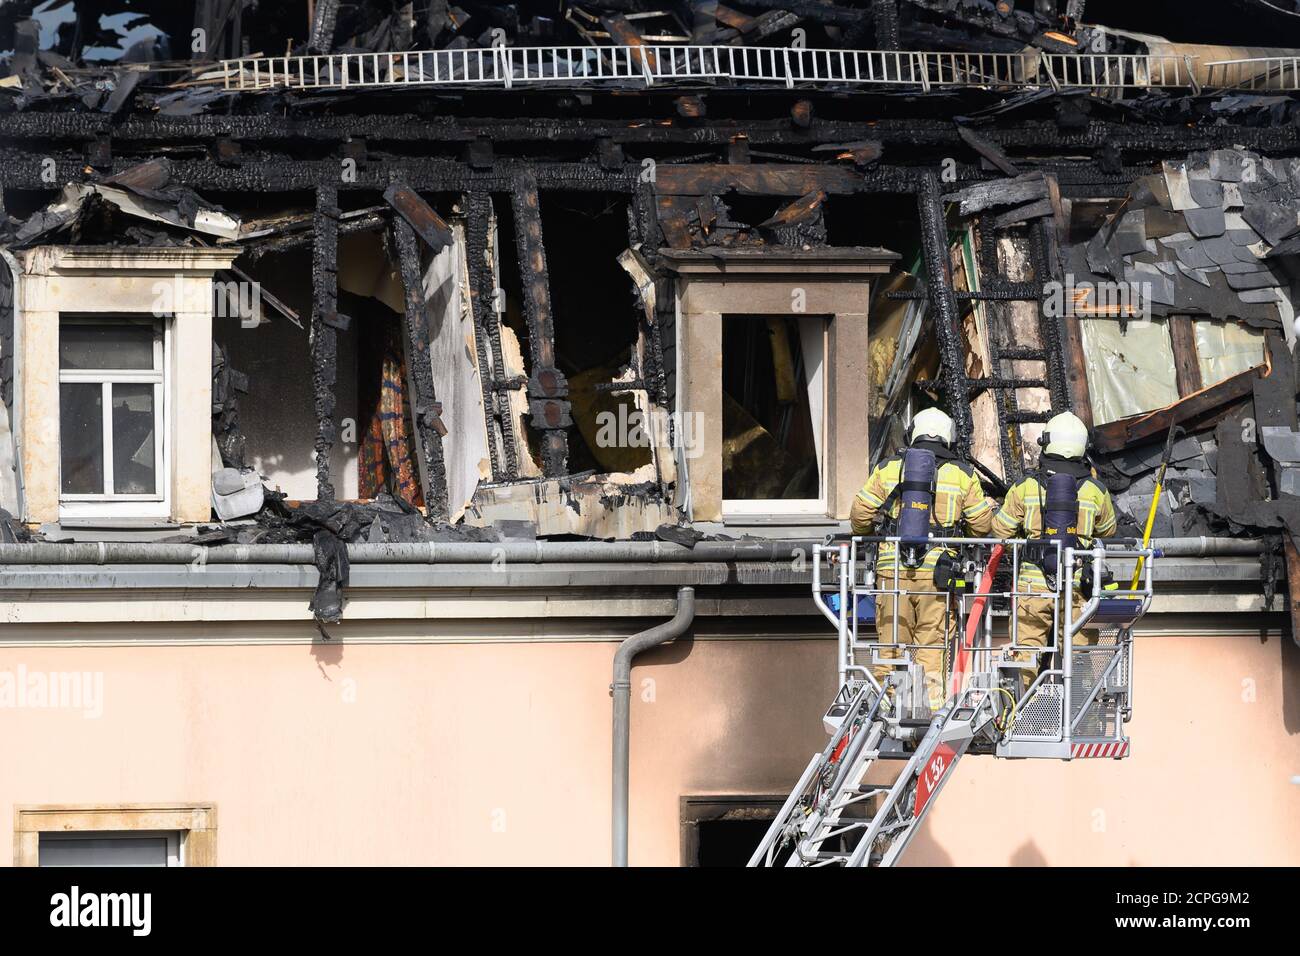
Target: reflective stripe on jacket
<point>1021,513</point>
<point>959,500</point>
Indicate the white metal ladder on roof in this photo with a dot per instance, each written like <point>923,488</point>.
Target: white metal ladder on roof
<point>1075,707</point>
<point>668,64</point>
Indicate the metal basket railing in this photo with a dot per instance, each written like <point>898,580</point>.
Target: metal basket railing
<point>1066,695</point>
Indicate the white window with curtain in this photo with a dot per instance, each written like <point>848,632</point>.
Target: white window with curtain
<point>113,417</point>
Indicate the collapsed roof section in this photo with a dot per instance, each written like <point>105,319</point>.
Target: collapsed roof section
<point>1168,308</point>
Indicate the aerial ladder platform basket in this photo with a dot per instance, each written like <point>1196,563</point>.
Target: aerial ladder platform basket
<point>1066,700</point>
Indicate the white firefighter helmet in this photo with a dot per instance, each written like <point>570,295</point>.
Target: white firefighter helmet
<point>932,423</point>
<point>1066,436</point>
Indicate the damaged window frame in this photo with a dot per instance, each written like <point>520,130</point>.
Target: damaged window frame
<point>109,503</point>
<point>737,509</point>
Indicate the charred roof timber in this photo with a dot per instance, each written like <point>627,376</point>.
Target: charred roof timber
<point>325,320</point>
<point>547,386</point>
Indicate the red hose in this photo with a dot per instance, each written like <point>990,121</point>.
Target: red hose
<point>973,619</point>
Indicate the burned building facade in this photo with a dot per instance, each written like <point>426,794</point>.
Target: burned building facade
<point>406,303</point>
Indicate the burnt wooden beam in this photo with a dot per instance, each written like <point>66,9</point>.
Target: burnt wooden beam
<point>548,390</point>
<point>732,18</point>
<point>1075,367</point>
<point>1045,242</point>
<point>257,248</point>
<point>673,213</point>
<point>943,303</point>
<point>767,24</point>
<point>452,130</point>
<point>813,10</point>
<point>643,218</point>
<point>861,153</point>
<point>426,411</point>
<point>1019,214</point>
<point>800,210</point>
<point>420,216</point>
<point>497,415</point>
<point>326,14</point>
<point>144,132</point>
<point>1293,583</point>
<point>988,150</point>
<point>322,339</point>
<point>773,179</point>
<point>1127,431</point>
<point>1023,190</point>
<point>738,149</point>
<point>885,14</point>
<point>622,32</point>
<point>24,171</point>
<point>1187,365</point>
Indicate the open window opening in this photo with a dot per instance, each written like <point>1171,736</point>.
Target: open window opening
<point>723,830</point>
<point>595,325</point>
<point>595,328</point>
<point>386,462</point>
<point>373,450</point>
<point>277,412</point>
<point>773,410</point>
<point>514,327</point>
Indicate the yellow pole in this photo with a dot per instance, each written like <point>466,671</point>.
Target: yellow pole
<point>1151,520</point>
<point>1174,431</point>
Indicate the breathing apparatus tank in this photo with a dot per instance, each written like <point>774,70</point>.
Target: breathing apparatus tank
<point>1060,517</point>
<point>915,505</point>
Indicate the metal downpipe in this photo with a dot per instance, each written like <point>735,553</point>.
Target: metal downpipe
<point>621,689</point>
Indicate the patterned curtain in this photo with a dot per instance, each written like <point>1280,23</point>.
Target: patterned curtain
<point>386,460</point>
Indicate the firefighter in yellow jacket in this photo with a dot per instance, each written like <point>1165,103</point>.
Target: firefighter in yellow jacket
<point>955,500</point>
<point>1076,504</point>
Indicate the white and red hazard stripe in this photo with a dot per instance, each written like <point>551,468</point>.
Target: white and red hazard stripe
<point>1119,749</point>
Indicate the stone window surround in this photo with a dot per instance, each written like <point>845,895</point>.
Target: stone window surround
<point>84,280</point>
<point>835,282</point>
<point>196,822</point>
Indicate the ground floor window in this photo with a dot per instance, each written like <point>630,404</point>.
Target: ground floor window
<point>724,830</point>
<point>156,834</point>
<point>120,848</point>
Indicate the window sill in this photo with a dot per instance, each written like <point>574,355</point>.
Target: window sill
<point>114,513</point>
<point>735,518</point>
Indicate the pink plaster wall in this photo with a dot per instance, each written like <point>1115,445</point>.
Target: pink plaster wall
<point>499,753</point>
